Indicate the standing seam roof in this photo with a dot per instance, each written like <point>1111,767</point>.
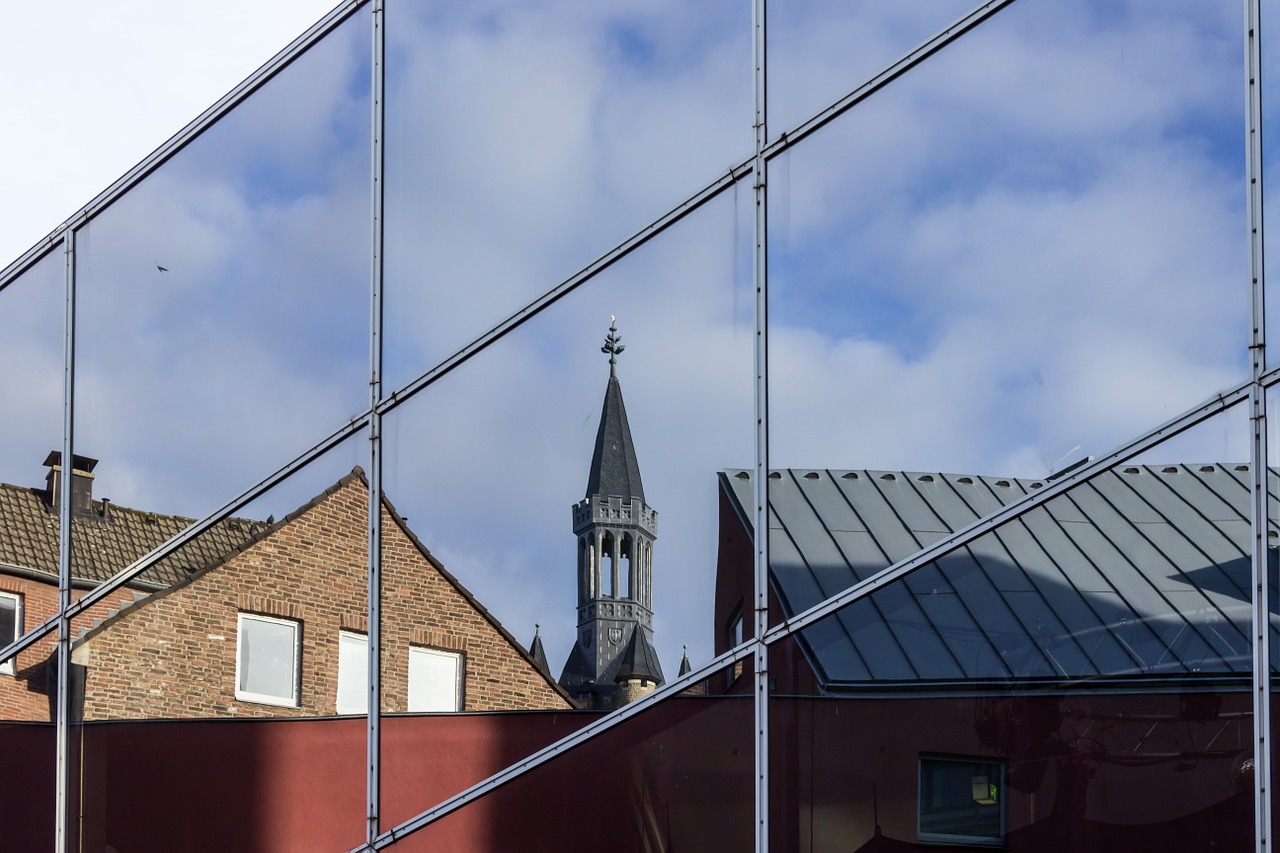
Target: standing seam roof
<point>1143,570</point>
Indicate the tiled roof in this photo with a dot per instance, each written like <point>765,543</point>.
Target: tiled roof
<point>1141,571</point>
<point>103,546</point>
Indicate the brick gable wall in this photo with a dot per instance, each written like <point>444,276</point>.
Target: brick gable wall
<point>174,654</point>
<point>24,695</point>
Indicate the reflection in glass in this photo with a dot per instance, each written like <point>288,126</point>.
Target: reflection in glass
<point>240,623</point>
<point>222,303</point>
<point>566,495</point>
<point>522,144</point>
<point>677,776</point>
<point>957,265</point>
<point>1080,674</point>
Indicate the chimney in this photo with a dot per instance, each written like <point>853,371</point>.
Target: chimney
<point>81,482</point>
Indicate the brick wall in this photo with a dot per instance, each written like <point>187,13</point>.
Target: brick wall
<point>174,654</point>
<point>24,695</point>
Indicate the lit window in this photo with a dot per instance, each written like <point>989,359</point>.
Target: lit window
<point>435,680</point>
<point>10,624</point>
<point>961,800</point>
<point>267,660</point>
<point>353,673</point>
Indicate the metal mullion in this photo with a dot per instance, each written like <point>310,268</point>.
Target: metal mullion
<point>547,753</point>
<point>373,743</point>
<point>760,272</point>
<point>1258,471</point>
<point>1165,431</point>
<point>183,137</point>
<point>62,702</point>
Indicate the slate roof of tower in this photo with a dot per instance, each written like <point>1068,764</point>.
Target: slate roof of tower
<point>614,469</point>
<point>539,654</point>
<point>639,660</point>
<point>104,546</point>
<point>1141,571</point>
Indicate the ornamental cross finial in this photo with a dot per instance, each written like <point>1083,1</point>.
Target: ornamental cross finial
<point>613,345</point>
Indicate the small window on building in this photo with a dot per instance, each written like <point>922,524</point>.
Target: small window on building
<point>733,637</point>
<point>10,625</point>
<point>353,673</point>
<point>435,680</point>
<point>267,652</point>
<point>733,631</point>
<point>961,800</point>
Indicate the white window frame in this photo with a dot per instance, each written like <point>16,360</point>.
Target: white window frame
<point>362,677</point>
<point>458,682</point>
<point>7,667</point>
<point>290,701</point>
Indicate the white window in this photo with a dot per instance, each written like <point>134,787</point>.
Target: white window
<point>961,800</point>
<point>435,680</point>
<point>353,673</point>
<point>10,624</point>
<point>267,654</point>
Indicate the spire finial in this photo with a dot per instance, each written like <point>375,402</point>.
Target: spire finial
<point>613,345</point>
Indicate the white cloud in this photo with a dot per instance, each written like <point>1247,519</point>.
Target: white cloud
<point>1030,247</point>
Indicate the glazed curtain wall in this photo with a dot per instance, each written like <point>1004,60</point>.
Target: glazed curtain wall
<point>370,287</point>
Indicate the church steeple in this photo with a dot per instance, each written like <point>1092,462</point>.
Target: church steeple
<point>615,529</point>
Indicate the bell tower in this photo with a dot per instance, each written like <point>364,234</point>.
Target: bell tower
<point>613,660</point>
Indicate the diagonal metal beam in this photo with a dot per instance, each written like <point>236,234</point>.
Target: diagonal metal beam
<point>554,750</point>
<point>1180,424</point>
<point>139,566</point>
<point>747,167</point>
<point>182,138</point>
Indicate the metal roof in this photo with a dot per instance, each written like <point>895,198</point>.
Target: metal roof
<point>1141,571</point>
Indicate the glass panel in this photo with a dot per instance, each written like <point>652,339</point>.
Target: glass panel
<point>1246,768</point>
<point>676,777</point>
<point>1269,44</point>
<point>223,303</point>
<point>525,141</point>
<point>31,354</point>
<point>821,51</point>
<point>1088,662</point>
<point>527,486</point>
<point>251,632</point>
<point>1018,255</point>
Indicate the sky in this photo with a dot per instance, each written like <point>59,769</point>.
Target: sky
<point>1026,251</point>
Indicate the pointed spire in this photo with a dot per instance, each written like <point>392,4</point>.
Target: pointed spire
<point>685,666</point>
<point>639,660</point>
<point>537,652</point>
<point>614,469</point>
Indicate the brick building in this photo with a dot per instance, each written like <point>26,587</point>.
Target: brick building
<point>251,618</point>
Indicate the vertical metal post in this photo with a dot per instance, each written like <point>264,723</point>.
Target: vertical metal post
<point>760,267</point>
<point>62,712</point>
<point>373,746</point>
<point>1258,419</point>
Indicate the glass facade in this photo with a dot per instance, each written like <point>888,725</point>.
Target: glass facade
<point>941,509</point>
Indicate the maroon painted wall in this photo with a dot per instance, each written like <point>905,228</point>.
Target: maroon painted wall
<point>1100,772</point>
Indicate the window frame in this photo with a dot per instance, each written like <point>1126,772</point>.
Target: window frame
<point>974,761</point>
<point>338,708</point>
<point>8,667</point>
<point>293,701</point>
<point>459,681</point>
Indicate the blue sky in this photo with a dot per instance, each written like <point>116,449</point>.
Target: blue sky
<point>1026,251</point>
